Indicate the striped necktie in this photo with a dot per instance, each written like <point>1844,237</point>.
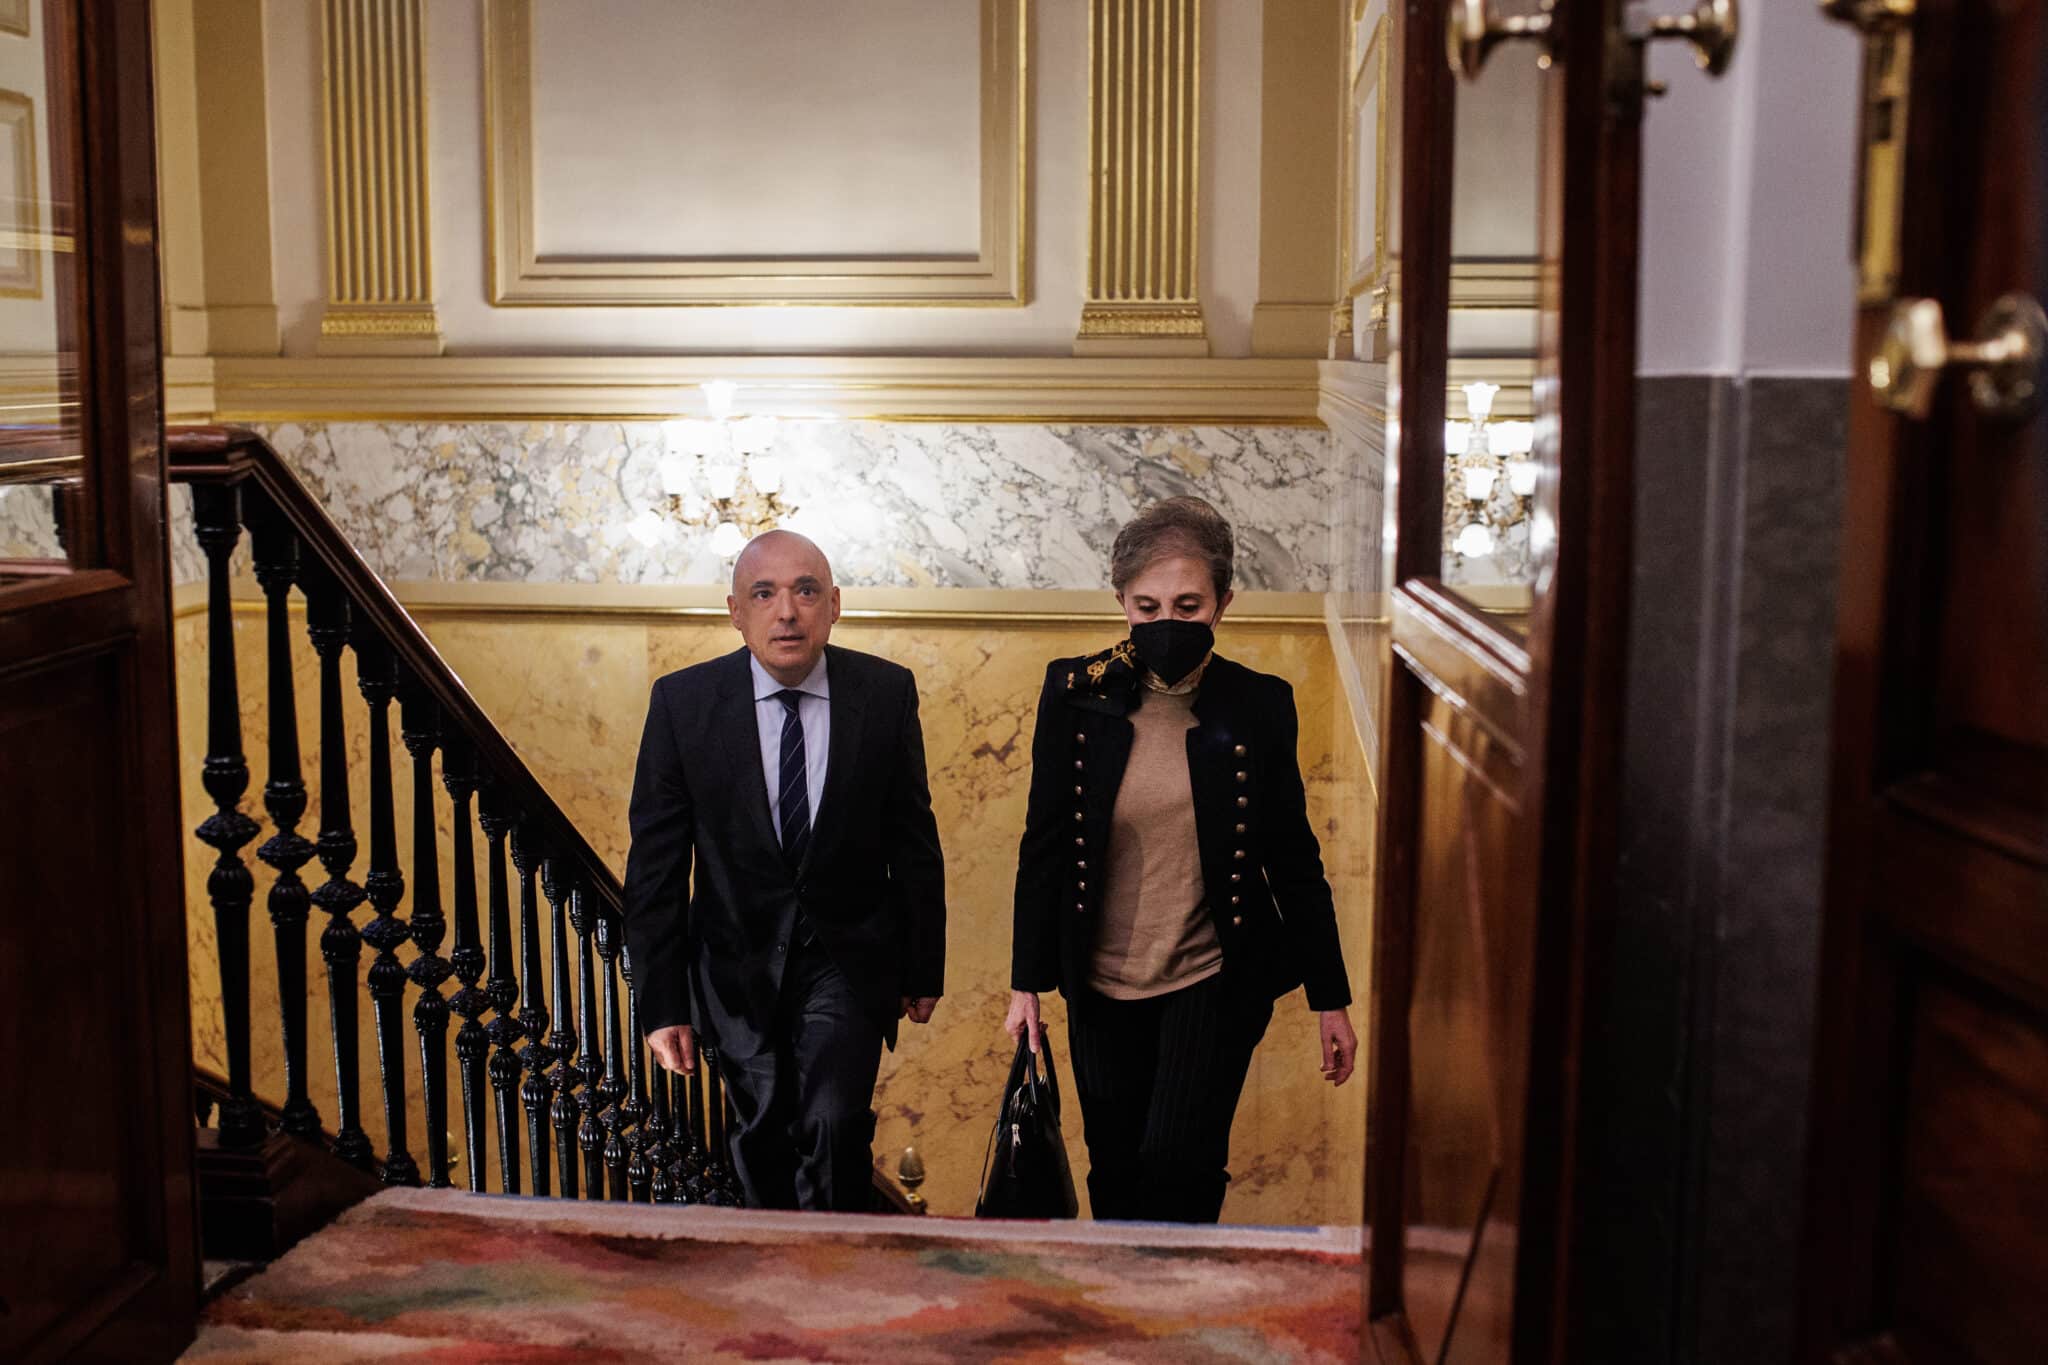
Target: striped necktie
<point>795,801</point>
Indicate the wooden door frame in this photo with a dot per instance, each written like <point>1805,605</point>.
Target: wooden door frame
<point>1575,651</point>
<point>121,607</point>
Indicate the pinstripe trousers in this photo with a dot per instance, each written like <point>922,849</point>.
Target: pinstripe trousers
<point>1159,1082</point>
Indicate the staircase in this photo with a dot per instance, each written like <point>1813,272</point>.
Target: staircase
<point>547,1025</point>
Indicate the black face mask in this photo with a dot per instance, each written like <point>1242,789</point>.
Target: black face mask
<point>1172,649</point>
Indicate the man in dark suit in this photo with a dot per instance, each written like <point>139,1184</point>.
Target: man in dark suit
<point>790,774</point>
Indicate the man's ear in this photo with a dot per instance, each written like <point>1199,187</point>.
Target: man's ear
<point>835,604</point>
<point>732,609</point>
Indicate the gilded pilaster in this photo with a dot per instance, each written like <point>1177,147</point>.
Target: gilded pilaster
<point>380,278</point>
<point>1144,68</point>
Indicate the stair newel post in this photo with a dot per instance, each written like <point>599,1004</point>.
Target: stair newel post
<point>274,551</point>
<point>472,1045</point>
<point>420,726</point>
<point>216,519</point>
<point>377,680</point>
<point>537,1090</point>
<point>561,890</point>
<point>612,1089</point>
<point>496,819</point>
<point>590,1066</point>
<point>341,947</point>
<point>633,1111</point>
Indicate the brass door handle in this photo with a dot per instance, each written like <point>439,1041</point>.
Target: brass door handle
<point>1869,16</point>
<point>1711,28</point>
<point>2004,361</point>
<point>1473,33</point>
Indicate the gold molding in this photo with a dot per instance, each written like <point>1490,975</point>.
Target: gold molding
<point>1252,608</point>
<point>1144,179</point>
<point>1045,389</point>
<point>998,274</point>
<point>380,298</point>
<point>1368,80</point>
<point>1496,285</point>
<point>18,121</point>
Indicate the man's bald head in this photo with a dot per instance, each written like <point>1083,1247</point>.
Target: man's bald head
<point>780,548</point>
<point>784,603</point>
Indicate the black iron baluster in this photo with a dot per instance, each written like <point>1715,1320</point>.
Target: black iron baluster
<point>327,627</point>
<point>720,1186</point>
<point>612,1089</point>
<point>662,1190</point>
<point>560,891</point>
<point>226,776</point>
<point>502,987</point>
<point>420,727</point>
<point>274,547</point>
<point>537,1090</point>
<point>590,1066</point>
<point>691,1152</point>
<point>633,1112</point>
<point>472,1045</point>
<point>377,680</point>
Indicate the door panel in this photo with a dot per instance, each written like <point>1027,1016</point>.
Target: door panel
<point>1926,1203</point>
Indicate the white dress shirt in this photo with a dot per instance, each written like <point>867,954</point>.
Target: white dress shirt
<point>815,710</point>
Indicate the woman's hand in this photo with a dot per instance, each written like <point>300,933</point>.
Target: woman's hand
<point>1024,1014</point>
<point>1340,1045</point>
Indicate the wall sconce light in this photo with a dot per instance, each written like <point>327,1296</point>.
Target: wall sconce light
<point>719,474</point>
<point>1489,462</point>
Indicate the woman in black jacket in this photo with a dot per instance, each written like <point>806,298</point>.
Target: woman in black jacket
<point>1169,883</point>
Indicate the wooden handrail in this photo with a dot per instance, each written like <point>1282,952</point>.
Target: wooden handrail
<point>232,455</point>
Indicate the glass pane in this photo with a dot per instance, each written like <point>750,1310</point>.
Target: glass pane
<point>1489,477</point>
<point>44,523</point>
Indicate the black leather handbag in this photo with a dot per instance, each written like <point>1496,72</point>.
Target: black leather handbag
<point>1025,1174</point>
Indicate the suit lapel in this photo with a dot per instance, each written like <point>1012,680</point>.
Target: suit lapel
<point>741,730</point>
<point>849,712</point>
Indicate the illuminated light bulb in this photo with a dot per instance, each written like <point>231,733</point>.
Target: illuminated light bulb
<point>1475,540</point>
<point>1479,399</point>
<point>1479,482</point>
<point>727,540</point>
<point>766,473</point>
<point>675,475</point>
<point>1456,434</point>
<point>723,476</point>
<point>1522,477</point>
<point>718,396</point>
<point>1512,438</point>
<point>645,528</point>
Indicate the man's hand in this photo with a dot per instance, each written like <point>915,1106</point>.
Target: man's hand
<point>917,1008</point>
<point>675,1047</point>
<point>1024,1015</point>
<point>1340,1046</point>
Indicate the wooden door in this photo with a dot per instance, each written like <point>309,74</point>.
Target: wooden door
<point>1504,726</point>
<point>1927,1218</point>
<point>99,1255</point>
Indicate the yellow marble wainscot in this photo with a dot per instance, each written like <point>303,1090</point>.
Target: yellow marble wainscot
<point>570,692</point>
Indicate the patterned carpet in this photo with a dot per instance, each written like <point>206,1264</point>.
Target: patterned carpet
<point>418,1275</point>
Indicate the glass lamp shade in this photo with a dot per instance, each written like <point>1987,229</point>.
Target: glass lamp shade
<point>1522,477</point>
<point>727,539</point>
<point>1475,540</point>
<point>1479,399</point>
<point>753,434</point>
<point>718,396</point>
<point>1479,480</point>
<point>1512,438</point>
<point>1455,435</point>
<point>723,477</point>
<point>675,475</point>
<point>645,528</point>
<point>766,473</point>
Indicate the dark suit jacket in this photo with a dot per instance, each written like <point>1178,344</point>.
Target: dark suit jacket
<point>872,885</point>
<point>1261,863</point>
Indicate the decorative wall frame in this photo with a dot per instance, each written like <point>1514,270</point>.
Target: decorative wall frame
<point>22,240</point>
<point>997,274</point>
<point>1364,239</point>
<point>14,17</point>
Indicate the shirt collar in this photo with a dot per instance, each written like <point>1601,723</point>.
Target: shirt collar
<point>815,685</point>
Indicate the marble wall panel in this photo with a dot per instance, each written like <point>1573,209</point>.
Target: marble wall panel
<point>571,694</point>
<point>906,504</point>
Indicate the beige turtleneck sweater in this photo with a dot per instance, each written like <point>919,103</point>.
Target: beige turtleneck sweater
<point>1156,931</point>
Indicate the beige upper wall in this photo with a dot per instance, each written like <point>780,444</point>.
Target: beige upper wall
<point>454,65</point>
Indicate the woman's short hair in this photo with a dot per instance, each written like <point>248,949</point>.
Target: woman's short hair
<point>1174,526</point>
